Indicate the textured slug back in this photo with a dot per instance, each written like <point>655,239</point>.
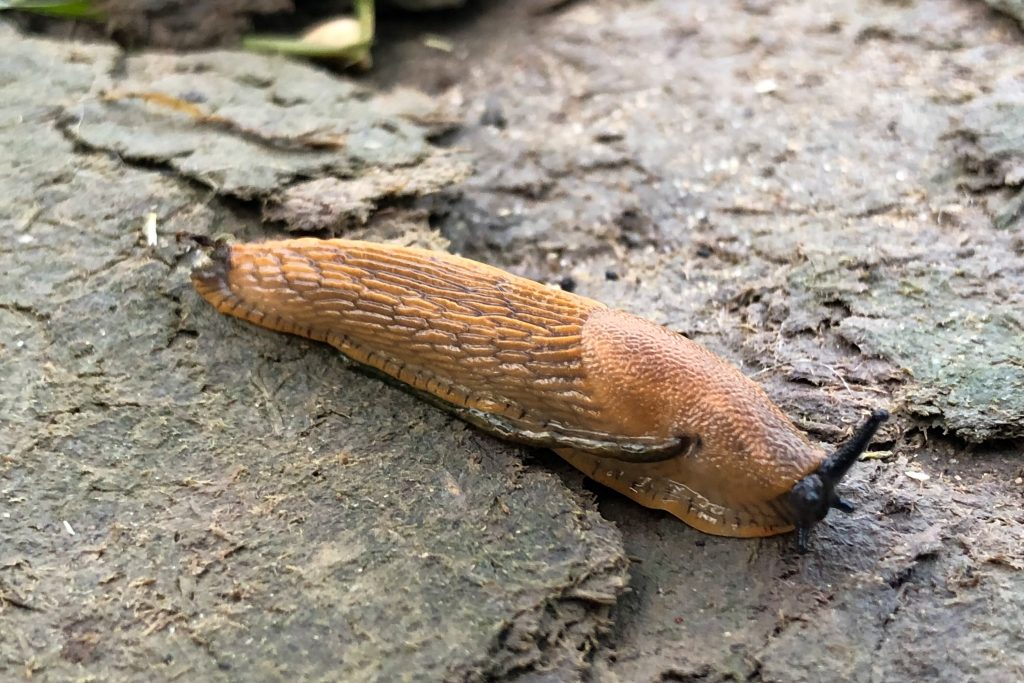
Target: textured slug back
<point>657,381</point>
<point>472,335</point>
<point>632,404</point>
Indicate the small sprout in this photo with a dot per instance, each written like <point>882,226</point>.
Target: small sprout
<point>346,39</point>
<point>343,31</point>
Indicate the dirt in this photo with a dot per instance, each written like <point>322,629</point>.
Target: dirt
<point>825,193</point>
<point>1013,8</point>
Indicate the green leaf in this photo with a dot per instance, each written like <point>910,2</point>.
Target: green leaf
<point>68,9</point>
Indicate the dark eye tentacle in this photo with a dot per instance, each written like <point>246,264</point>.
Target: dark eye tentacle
<point>840,462</point>
<point>814,495</point>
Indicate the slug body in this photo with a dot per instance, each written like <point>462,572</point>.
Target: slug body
<point>633,405</point>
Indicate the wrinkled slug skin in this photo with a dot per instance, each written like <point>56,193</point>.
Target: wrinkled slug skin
<point>537,365</point>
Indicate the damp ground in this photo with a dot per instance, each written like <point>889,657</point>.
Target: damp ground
<point>828,194</point>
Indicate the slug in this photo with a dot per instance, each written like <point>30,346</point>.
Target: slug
<point>633,405</point>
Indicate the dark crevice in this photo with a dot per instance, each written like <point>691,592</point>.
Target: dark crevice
<point>27,311</point>
<point>118,70</point>
<point>676,676</point>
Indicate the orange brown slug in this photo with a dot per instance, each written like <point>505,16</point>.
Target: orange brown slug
<point>637,407</point>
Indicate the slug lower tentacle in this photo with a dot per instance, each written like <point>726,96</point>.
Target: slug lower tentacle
<point>633,405</point>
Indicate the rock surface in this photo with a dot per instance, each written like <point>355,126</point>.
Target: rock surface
<point>184,496</point>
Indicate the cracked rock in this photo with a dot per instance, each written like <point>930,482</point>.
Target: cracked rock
<point>259,128</point>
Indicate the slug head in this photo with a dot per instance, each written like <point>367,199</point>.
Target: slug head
<point>812,497</point>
